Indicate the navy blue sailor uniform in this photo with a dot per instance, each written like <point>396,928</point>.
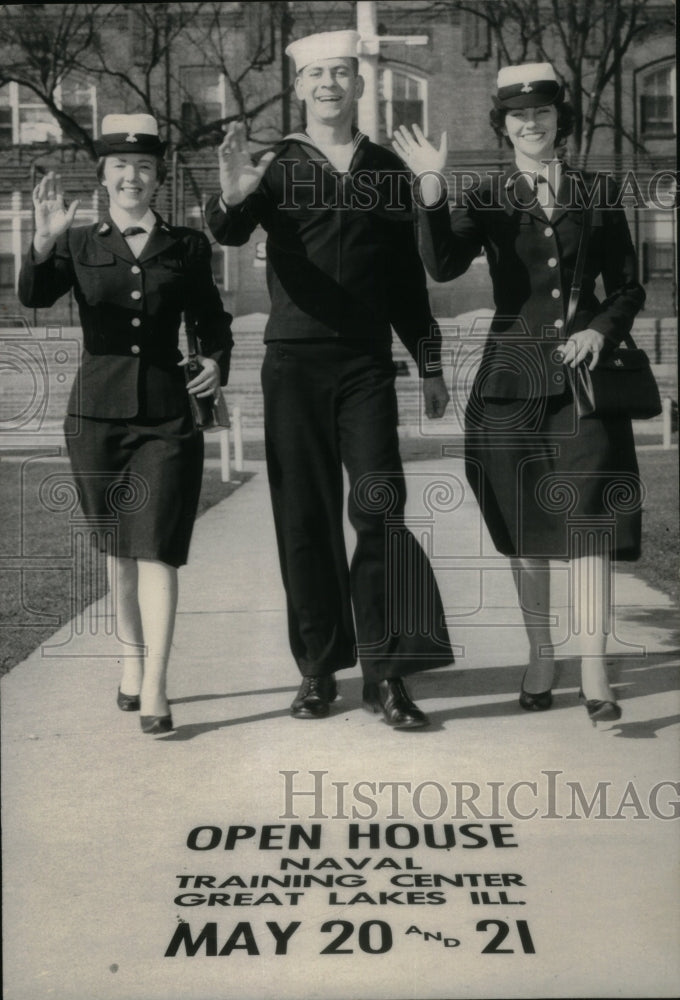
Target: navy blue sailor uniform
<point>136,458</point>
<point>533,466</point>
<point>342,271</point>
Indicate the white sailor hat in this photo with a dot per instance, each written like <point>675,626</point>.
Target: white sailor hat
<point>324,45</point>
<point>528,85</point>
<point>129,134</point>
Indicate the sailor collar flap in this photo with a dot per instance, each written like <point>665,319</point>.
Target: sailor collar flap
<point>359,142</point>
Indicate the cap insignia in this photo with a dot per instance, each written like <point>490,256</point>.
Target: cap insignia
<point>527,89</point>
<point>131,137</point>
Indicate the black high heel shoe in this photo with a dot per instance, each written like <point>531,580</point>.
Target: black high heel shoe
<point>540,702</point>
<point>156,724</point>
<point>600,711</point>
<point>128,702</point>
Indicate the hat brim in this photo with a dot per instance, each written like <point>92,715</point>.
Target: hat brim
<point>536,99</point>
<point>146,145</point>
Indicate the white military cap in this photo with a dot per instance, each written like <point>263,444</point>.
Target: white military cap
<point>324,45</point>
<point>528,85</point>
<point>129,134</point>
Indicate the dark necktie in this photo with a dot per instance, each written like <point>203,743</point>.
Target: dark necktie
<point>133,231</point>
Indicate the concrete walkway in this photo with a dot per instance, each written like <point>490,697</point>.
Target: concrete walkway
<point>106,830</point>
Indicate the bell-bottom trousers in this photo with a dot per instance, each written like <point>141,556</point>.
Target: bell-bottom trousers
<point>328,404</point>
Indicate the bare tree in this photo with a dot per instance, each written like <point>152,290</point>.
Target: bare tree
<point>40,49</point>
<point>133,52</point>
<point>586,41</point>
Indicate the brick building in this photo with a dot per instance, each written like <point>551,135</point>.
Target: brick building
<point>221,59</point>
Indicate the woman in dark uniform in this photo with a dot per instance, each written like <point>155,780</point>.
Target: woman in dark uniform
<point>550,485</point>
<point>136,457</point>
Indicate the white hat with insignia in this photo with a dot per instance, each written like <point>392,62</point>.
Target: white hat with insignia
<point>528,85</point>
<point>324,45</point>
<point>129,134</point>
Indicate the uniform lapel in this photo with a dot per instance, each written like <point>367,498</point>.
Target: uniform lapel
<point>517,194</point>
<point>160,239</point>
<point>109,237</point>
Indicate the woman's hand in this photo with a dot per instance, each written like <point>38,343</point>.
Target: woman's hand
<point>238,174</point>
<point>207,382</point>
<point>51,216</point>
<point>421,157</point>
<point>580,345</point>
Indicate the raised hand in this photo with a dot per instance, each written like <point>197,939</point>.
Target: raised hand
<point>238,174</point>
<point>52,218</point>
<point>424,160</point>
<point>417,152</point>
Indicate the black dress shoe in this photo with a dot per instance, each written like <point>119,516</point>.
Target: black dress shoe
<point>539,702</point>
<point>314,697</point>
<point>156,724</point>
<point>127,702</point>
<point>390,697</point>
<point>600,711</point>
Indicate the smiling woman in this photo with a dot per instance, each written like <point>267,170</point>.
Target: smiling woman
<point>135,454</point>
<point>544,475</point>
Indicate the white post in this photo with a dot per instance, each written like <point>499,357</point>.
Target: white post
<point>225,467</point>
<point>367,26</point>
<point>238,439</point>
<point>667,421</point>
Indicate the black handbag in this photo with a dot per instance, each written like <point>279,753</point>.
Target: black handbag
<point>206,411</point>
<point>622,383</point>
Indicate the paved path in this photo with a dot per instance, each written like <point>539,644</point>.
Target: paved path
<point>98,819</point>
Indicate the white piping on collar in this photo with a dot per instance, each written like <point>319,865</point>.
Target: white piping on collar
<point>357,139</point>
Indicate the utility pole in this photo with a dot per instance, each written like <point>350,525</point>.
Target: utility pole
<point>369,52</point>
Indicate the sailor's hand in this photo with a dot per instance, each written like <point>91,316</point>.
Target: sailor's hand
<point>239,176</point>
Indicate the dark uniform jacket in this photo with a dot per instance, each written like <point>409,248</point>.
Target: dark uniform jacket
<point>341,253</point>
<point>531,261</point>
<point>130,312</point>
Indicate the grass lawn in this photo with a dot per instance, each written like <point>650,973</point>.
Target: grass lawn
<point>660,561</point>
<point>35,602</point>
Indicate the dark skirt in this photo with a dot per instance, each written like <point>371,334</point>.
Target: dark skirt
<point>139,482</point>
<point>545,480</point>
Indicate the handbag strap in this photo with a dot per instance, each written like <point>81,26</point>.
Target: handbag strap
<point>190,331</point>
<point>577,280</point>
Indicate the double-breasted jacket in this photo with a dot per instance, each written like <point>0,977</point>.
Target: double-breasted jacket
<point>342,261</point>
<point>531,260</point>
<point>130,311</point>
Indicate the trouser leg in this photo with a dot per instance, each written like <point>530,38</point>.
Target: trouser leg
<point>398,609</point>
<point>306,485</point>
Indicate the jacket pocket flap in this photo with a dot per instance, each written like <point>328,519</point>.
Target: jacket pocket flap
<point>95,257</point>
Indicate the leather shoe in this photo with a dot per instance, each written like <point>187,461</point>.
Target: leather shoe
<point>390,697</point>
<point>156,724</point>
<point>127,702</point>
<point>314,697</point>
<point>541,701</point>
<point>600,711</point>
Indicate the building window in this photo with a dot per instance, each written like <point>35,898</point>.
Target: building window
<point>79,101</point>
<point>203,97</point>
<point>657,102</point>
<point>658,246</point>
<point>7,258</point>
<point>402,100</point>
<point>26,120</point>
